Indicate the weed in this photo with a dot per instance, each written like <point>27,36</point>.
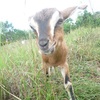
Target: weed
<point>21,76</point>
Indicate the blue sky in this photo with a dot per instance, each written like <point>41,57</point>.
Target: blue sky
<point>18,11</point>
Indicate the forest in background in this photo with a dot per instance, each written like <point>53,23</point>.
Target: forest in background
<point>9,34</point>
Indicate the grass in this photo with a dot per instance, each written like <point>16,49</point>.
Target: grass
<point>21,76</point>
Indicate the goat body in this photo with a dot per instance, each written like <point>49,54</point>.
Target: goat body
<point>47,27</point>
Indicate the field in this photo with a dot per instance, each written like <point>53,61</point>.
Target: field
<point>21,77</point>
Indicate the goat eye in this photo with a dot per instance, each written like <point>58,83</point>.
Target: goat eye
<point>59,21</point>
<point>33,29</point>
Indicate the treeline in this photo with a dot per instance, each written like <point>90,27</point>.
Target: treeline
<point>9,34</point>
<point>83,20</point>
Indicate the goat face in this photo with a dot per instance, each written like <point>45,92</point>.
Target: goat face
<point>45,24</point>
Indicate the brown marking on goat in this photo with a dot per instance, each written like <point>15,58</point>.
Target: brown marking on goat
<point>58,57</point>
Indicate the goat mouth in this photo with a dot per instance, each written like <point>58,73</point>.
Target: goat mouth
<point>50,50</point>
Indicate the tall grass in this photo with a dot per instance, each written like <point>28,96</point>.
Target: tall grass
<point>21,76</point>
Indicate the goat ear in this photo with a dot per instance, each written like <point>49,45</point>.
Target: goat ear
<point>67,12</point>
<point>82,7</point>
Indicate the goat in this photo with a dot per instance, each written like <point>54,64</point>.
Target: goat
<point>47,25</point>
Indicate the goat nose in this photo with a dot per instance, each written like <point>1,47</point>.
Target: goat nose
<point>43,42</point>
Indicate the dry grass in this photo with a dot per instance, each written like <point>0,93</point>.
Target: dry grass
<point>21,77</point>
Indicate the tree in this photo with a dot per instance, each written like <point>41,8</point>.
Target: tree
<point>87,19</point>
<point>96,19</point>
<point>9,34</point>
<point>20,34</point>
<point>67,25</point>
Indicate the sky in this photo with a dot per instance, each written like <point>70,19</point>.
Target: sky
<point>18,11</point>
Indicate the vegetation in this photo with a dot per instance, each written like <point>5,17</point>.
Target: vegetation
<point>21,77</point>
<point>9,34</point>
<point>84,20</point>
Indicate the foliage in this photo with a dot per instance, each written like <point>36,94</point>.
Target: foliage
<point>2,39</point>
<point>9,34</point>
<point>84,20</point>
<point>67,25</point>
<point>21,76</point>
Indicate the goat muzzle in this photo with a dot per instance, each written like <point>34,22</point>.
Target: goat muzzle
<point>43,44</point>
<point>46,49</point>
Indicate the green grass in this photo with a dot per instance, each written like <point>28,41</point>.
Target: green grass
<point>21,76</point>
